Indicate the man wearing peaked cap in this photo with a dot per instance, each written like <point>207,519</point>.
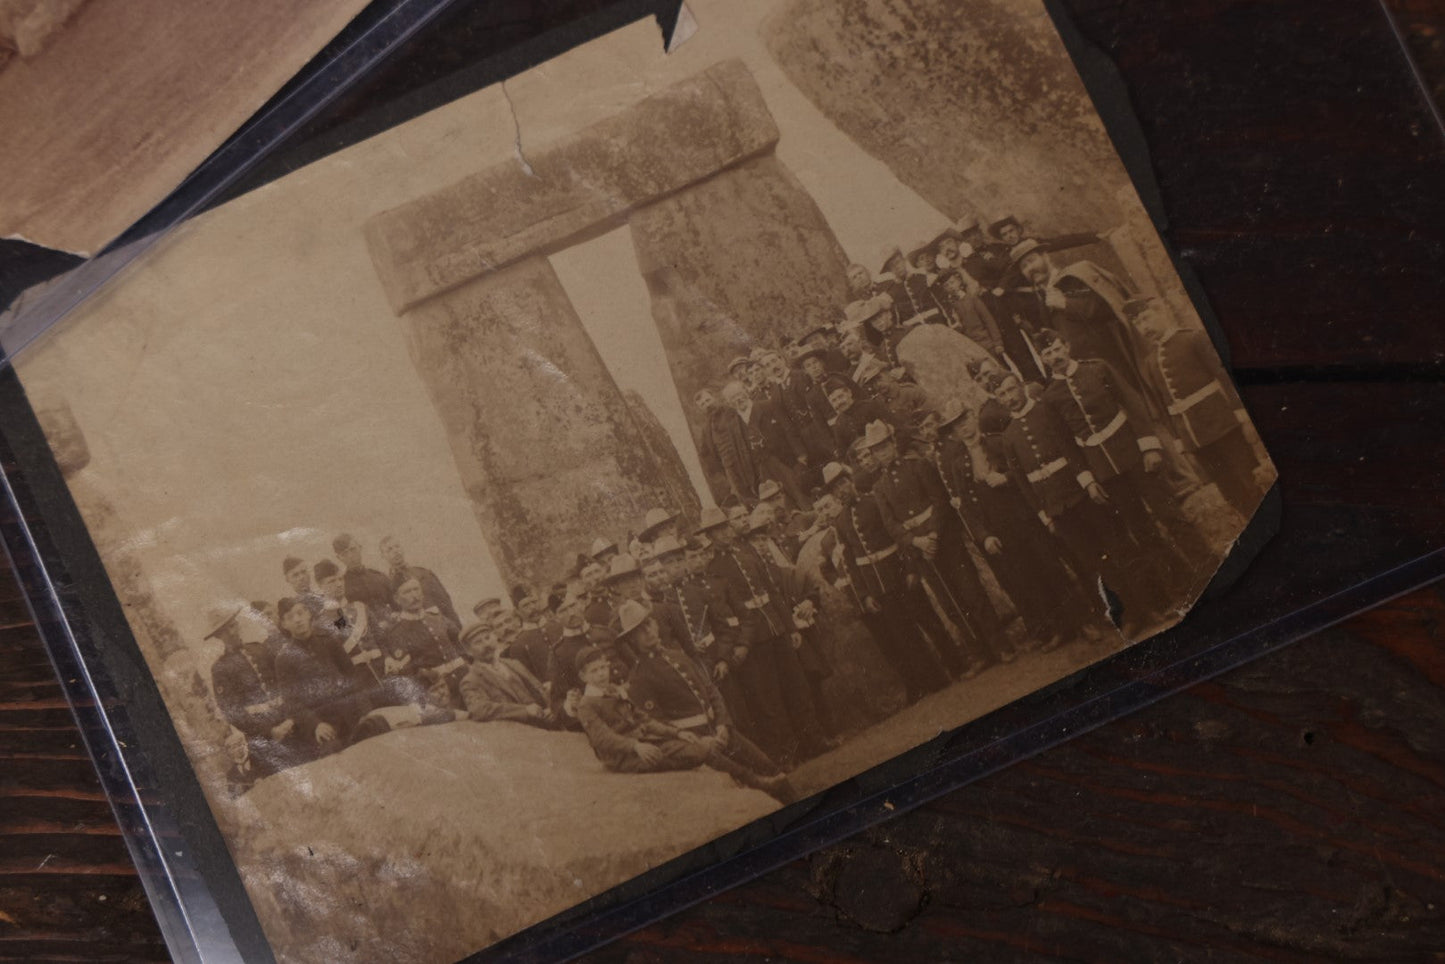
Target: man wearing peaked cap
<point>497,687</point>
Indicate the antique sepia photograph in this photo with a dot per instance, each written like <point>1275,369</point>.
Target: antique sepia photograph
<point>556,482</point>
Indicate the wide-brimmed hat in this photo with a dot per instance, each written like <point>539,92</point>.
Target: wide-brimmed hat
<point>768,490</point>
<point>600,545</point>
<point>952,411</point>
<point>864,310</point>
<point>711,518</point>
<point>623,564</point>
<point>877,433</point>
<point>666,546</point>
<point>654,520</point>
<point>220,618</point>
<point>889,253</point>
<point>802,352</point>
<point>631,614</point>
<point>834,471</point>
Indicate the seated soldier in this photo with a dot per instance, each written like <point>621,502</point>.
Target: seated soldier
<point>627,740</point>
<point>671,686</point>
<point>500,688</point>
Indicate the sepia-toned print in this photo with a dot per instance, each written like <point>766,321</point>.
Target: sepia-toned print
<point>542,489</point>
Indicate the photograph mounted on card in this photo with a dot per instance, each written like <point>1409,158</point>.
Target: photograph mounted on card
<point>534,493</point>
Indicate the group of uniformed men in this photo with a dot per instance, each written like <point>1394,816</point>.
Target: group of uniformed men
<point>699,644</point>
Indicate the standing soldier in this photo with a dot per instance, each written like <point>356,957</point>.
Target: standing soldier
<point>532,644</point>
<point>1207,416</point>
<point>1022,554</point>
<point>774,448</point>
<point>915,508</point>
<point>1123,450</point>
<point>894,605</point>
<point>435,595</point>
<point>363,584</point>
<point>913,301</point>
<point>805,404</point>
<point>784,717</point>
<point>1041,453</point>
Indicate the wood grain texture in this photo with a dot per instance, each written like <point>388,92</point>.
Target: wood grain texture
<point>1290,810</point>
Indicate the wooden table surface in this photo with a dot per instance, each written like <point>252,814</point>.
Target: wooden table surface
<point>1289,810</point>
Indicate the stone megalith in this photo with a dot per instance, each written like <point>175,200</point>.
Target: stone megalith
<point>734,263</point>
<point>548,451</point>
<point>974,104</point>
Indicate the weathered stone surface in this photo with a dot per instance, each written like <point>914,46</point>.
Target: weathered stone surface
<point>672,475</point>
<point>547,449</point>
<point>733,263</point>
<point>427,844</point>
<point>972,103</point>
<point>672,139</point>
<point>938,358</point>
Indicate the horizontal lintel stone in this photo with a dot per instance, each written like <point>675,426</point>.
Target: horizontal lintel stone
<point>672,139</point>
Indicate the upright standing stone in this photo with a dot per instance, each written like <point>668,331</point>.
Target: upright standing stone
<point>974,104</point>
<point>733,263</point>
<point>548,452</point>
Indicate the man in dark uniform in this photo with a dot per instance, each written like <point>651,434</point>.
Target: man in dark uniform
<point>1206,414</point>
<point>298,577</point>
<point>433,592</point>
<point>784,719</point>
<point>825,338</point>
<point>423,644</point>
<point>915,508</point>
<point>1055,478</point>
<point>1021,552</point>
<point>913,300</point>
<point>669,686</point>
<point>1123,450</point>
<point>627,740</point>
<point>601,604</point>
<point>804,403</point>
<point>894,606</point>
<point>315,681</point>
<point>250,704</point>
<point>577,634</point>
<point>855,413</point>
<point>531,644</point>
<point>363,584</point>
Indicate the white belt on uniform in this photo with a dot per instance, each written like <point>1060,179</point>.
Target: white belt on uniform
<point>921,317</point>
<point>758,601</point>
<point>271,704</point>
<point>451,666</point>
<point>1189,401</point>
<point>1107,432</point>
<point>688,722</point>
<point>878,556</point>
<point>1045,471</point>
<point>919,519</point>
<point>365,656</point>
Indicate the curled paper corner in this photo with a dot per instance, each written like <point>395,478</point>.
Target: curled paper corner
<point>685,28</point>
